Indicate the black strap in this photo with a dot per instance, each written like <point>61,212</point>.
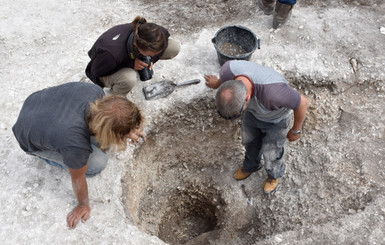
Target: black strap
<point>130,50</point>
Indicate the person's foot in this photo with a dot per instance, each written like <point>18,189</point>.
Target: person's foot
<point>241,175</point>
<point>270,185</point>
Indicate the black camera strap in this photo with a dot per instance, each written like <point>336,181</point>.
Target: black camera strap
<point>130,50</point>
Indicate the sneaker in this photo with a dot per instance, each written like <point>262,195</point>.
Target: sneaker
<point>241,175</point>
<point>270,185</point>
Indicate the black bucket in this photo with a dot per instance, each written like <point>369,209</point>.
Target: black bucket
<point>235,43</point>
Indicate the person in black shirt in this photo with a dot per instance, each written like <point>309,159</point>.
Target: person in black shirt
<point>117,55</point>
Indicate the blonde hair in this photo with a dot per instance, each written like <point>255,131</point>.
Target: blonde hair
<point>148,36</point>
<point>111,119</point>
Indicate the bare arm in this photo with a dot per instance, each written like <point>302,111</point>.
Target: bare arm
<point>299,118</point>
<point>79,185</point>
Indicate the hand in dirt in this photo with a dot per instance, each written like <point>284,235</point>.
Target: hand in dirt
<point>80,212</point>
<point>212,81</point>
<point>135,136</point>
<point>139,65</point>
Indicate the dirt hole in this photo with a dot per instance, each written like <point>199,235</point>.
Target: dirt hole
<point>175,189</point>
<point>181,187</point>
<point>189,214</point>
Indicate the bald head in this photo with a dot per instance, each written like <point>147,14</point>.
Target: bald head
<point>230,98</point>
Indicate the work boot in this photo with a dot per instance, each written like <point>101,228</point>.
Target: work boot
<point>282,14</point>
<point>267,6</point>
<point>241,175</point>
<point>270,185</point>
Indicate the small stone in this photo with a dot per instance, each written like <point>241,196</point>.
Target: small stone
<point>382,30</point>
<point>278,238</point>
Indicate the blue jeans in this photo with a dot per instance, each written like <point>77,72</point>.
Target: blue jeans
<point>267,140</point>
<point>288,2</point>
<point>97,161</point>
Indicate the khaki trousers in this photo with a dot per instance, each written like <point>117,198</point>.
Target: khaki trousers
<point>122,81</point>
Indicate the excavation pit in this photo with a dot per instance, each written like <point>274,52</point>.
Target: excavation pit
<point>190,213</point>
<point>180,187</point>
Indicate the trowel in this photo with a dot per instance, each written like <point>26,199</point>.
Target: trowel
<point>164,88</point>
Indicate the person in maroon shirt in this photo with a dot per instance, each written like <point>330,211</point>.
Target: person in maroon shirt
<point>119,53</point>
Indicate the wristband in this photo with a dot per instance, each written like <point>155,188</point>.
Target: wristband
<point>296,132</point>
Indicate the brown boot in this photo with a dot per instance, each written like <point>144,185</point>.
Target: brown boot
<point>267,6</point>
<point>282,14</point>
<point>240,175</point>
<point>270,185</point>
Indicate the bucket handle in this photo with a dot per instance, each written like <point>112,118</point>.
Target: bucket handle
<point>213,40</point>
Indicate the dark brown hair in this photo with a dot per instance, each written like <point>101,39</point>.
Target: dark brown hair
<point>148,36</point>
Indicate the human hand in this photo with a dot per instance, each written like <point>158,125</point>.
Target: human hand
<point>135,135</point>
<point>140,65</point>
<point>80,212</point>
<point>212,81</point>
<point>293,137</point>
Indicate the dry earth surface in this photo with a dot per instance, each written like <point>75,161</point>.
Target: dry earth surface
<point>178,187</point>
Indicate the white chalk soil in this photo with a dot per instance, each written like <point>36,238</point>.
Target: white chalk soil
<point>178,187</point>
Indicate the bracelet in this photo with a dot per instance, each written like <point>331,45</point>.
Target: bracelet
<point>296,132</point>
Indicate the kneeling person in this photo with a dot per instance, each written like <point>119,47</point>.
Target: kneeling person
<point>126,52</point>
<point>70,126</point>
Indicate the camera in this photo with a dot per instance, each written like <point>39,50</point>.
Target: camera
<point>146,74</point>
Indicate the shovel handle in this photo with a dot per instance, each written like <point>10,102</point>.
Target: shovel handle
<point>194,81</point>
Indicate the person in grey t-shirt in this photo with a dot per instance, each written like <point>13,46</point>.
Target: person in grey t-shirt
<point>266,103</point>
<point>70,126</point>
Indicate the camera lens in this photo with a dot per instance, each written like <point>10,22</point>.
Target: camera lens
<point>145,74</point>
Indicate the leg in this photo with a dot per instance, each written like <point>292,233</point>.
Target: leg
<point>252,140</point>
<point>282,12</point>
<point>288,2</point>
<point>274,151</point>
<point>171,51</point>
<point>122,81</point>
<point>97,160</point>
<point>274,148</point>
<point>267,6</point>
<point>51,157</point>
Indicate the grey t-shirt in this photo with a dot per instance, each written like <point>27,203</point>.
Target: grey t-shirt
<point>273,98</point>
<point>55,119</point>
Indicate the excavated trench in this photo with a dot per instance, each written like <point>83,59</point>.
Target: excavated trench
<point>181,187</point>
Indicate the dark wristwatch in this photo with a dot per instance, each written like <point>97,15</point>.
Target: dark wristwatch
<point>296,132</point>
